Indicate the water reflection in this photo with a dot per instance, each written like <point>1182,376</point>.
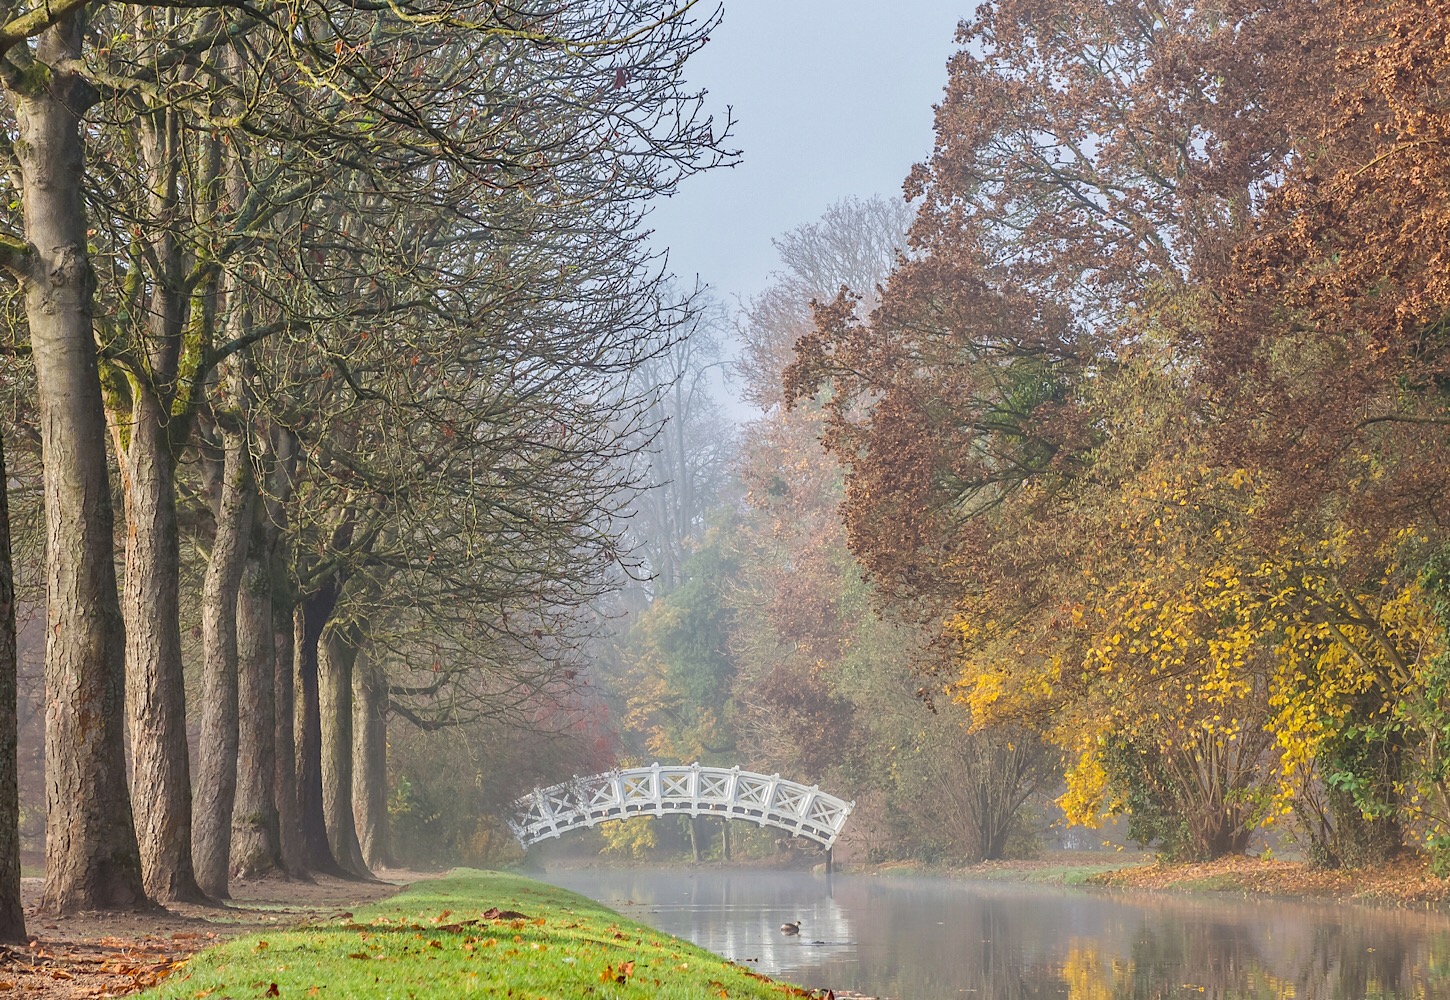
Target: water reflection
<point>925,938</point>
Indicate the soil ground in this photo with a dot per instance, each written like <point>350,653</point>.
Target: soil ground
<point>109,955</point>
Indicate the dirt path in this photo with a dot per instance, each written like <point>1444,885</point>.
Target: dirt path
<point>109,955</point>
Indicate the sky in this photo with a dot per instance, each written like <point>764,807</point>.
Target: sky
<point>831,97</point>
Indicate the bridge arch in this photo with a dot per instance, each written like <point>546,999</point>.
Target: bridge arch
<point>686,790</point>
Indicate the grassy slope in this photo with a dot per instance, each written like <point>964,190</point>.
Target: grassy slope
<point>432,941</point>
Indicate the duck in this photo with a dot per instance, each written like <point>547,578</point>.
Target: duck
<point>794,928</point>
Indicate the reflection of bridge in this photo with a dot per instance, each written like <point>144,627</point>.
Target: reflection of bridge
<point>690,790</point>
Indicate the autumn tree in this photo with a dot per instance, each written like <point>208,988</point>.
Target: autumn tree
<point>1092,164</point>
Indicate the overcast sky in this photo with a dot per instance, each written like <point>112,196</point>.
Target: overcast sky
<point>831,97</point>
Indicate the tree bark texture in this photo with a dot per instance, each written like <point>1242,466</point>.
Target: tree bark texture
<point>92,860</point>
<point>313,616</point>
<point>291,843</point>
<point>289,814</point>
<point>155,688</point>
<point>12,915</point>
<point>370,762</point>
<point>256,850</point>
<point>337,653</point>
<point>216,779</point>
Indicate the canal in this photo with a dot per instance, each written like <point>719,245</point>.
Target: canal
<point>914,938</point>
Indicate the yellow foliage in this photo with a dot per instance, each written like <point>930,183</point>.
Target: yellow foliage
<point>628,838</point>
<point>1085,801</point>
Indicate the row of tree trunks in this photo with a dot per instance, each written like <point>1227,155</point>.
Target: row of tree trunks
<point>103,667</point>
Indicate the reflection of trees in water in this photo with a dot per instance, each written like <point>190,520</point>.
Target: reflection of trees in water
<point>1343,962</point>
<point>1230,959</point>
<point>986,947</point>
<point>1166,956</point>
<point>928,939</point>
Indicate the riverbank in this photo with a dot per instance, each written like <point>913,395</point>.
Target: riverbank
<point>1051,868</point>
<point>1404,882</point>
<point>90,955</point>
<point>469,933</point>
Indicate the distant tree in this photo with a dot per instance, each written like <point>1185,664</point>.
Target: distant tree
<point>681,467</point>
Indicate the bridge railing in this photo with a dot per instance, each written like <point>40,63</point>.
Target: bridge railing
<point>688,790</point>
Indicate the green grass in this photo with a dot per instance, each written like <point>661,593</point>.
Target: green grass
<point>433,941</point>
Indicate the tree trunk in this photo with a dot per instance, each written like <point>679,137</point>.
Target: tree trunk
<point>313,616</point>
<point>12,915</point>
<point>155,688</point>
<point>255,848</point>
<point>216,782</point>
<point>92,861</point>
<point>283,450</point>
<point>289,815</point>
<point>337,654</point>
<point>370,762</point>
<point>150,600</point>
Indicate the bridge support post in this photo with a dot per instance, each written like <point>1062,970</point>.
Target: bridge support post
<point>829,867</point>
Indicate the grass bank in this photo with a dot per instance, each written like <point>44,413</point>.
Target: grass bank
<point>471,933</point>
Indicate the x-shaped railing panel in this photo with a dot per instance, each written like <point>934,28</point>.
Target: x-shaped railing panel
<point>693,790</point>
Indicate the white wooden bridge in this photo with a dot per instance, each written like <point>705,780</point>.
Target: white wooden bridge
<point>687,790</point>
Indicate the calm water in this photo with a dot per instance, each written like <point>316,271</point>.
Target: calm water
<point>917,939</point>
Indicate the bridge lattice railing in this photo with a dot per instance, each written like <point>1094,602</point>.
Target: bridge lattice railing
<point>688,790</point>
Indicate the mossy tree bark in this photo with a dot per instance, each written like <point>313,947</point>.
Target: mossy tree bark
<point>92,860</point>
